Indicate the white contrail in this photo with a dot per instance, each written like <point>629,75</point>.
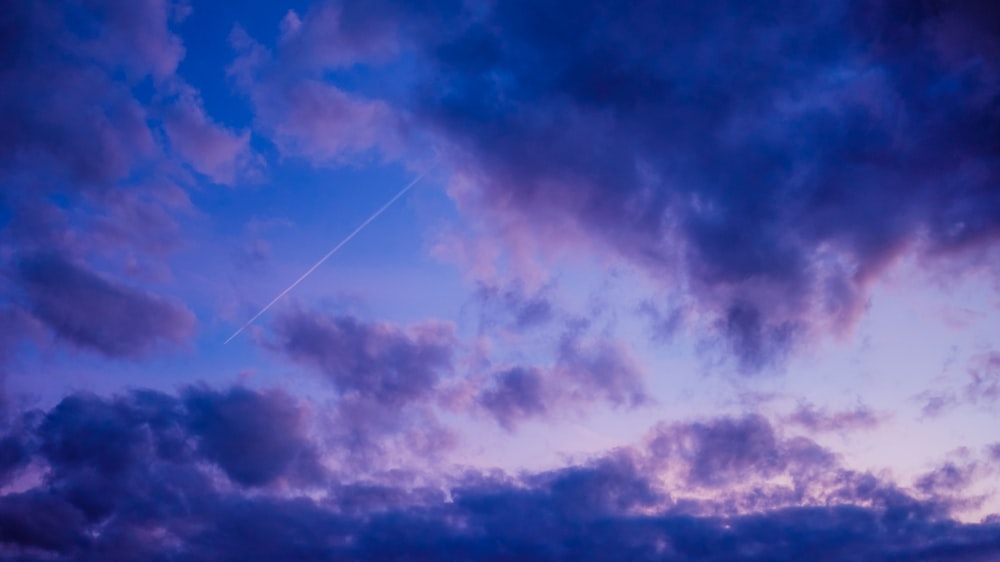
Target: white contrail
<point>331,252</point>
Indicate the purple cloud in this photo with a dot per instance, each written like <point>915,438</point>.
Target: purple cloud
<point>255,437</point>
<point>736,190</point>
<point>380,361</point>
<point>816,419</point>
<point>372,436</point>
<point>69,119</point>
<point>725,451</point>
<point>213,150</point>
<point>514,308</point>
<point>949,477</point>
<point>773,193</point>
<point>92,312</point>
<point>515,394</point>
<point>121,467</point>
<point>135,35</point>
<point>82,165</point>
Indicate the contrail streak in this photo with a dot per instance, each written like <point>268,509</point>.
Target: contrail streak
<point>331,252</point>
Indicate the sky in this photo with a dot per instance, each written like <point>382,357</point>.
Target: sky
<point>679,280</point>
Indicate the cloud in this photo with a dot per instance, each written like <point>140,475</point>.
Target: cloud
<point>380,361</point>
<point>213,150</point>
<point>127,478</point>
<point>136,35</point>
<point>83,135</point>
<point>254,436</point>
<point>982,389</point>
<point>69,119</point>
<point>772,193</point>
<point>92,312</point>
<point>816,419</point>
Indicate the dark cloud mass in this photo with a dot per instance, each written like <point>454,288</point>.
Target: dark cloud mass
<point>255,437</point>
<point>773,159</point>
<point>130,478</point>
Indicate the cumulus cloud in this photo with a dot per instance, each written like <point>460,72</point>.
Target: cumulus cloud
<point>387,378</point>
<point>305,115</point>
<point>70,118</point>
<point>586,372</point>
<point>980,389</point>
<point>254,436</point>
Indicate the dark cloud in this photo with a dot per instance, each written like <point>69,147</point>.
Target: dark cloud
<point>380,361</point>
<point>105,454</point>
<point>125,480</point>
<point>768,162</point>
<point>949,477</point>
<point>254,436</point>
<point>727,451</point>
<point>215,151</point>
<point>374,436</point>
<point>600,368</point>
<point>68,118</point>
<point>15,452</point>
<point>95,313</point>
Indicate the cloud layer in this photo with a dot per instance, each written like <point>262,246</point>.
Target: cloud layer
<point>138,476</point>
<point>767,164</point>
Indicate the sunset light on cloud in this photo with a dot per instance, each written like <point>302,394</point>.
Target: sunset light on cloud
<point>500,280</point>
